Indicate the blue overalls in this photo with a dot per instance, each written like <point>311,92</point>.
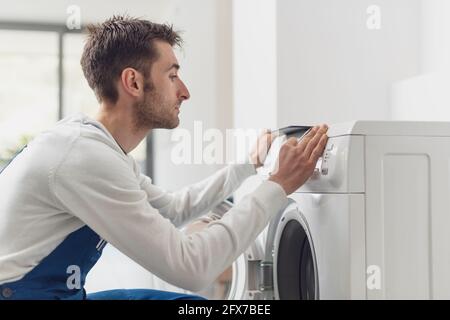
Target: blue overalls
<point>62,275</point>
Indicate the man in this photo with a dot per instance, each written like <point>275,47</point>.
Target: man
<point>75,188</point>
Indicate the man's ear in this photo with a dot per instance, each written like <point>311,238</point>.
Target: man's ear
<point>132,82</point>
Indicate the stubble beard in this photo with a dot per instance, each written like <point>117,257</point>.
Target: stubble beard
<point>154,113</point>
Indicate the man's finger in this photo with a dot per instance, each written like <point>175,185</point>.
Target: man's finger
<point>306,138</point>
<point>263,145</point>
<point>323,128</point>
<point>318,150</point>
<point>315,140</point>
<point>291,142</point>
<point>311,145</point>
<point>270,137</point>
<point>266,136</point>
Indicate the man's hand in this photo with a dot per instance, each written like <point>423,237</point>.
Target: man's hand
<point>297,160</point>
<point>261,148</point>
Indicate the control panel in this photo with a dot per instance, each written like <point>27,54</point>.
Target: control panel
<point>339,169</point>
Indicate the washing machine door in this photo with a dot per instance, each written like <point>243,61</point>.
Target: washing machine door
<point>241,280</point>
<point>279,264</point>
<point>290,249</point>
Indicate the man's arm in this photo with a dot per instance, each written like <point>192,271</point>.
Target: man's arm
<point>195,200</point>
<point>116,208</point>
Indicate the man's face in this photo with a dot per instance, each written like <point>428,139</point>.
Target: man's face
<point>164,92</point>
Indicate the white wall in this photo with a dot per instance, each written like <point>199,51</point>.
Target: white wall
<point>332,68</point>
<point>254,71</point>
<point>435,33</point>
<point>254,63</point>
<point>426,96</point>
<point>55,11</point>
<point>206,69</point>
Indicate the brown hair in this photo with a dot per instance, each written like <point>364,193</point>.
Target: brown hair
<point>118,43</point>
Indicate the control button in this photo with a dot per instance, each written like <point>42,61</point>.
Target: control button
<point>330,147</point>
<point>324,167</point>
<point>318,165</point>
<point>7,293</point>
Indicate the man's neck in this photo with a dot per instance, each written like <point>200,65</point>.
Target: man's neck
<point>120,125</point>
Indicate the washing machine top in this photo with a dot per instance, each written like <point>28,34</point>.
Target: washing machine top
<point>390,128</point>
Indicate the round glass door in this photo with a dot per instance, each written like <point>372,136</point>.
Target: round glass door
<point>295,271</point>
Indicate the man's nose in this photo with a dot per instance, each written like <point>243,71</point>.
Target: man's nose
<point>184,92</point>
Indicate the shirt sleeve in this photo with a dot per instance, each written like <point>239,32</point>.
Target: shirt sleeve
<point>102,190</point>
<point>195,200</point>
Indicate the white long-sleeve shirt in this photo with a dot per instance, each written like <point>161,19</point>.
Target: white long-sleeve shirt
<point>76,174</point>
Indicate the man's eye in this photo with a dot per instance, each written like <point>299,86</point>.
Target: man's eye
<point>172,77</point>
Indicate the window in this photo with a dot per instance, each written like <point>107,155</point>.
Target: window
<point>42,83</point>
<point>28,87</point>
<point>77,95</point>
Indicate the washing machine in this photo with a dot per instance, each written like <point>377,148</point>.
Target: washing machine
<point>371,223</point>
